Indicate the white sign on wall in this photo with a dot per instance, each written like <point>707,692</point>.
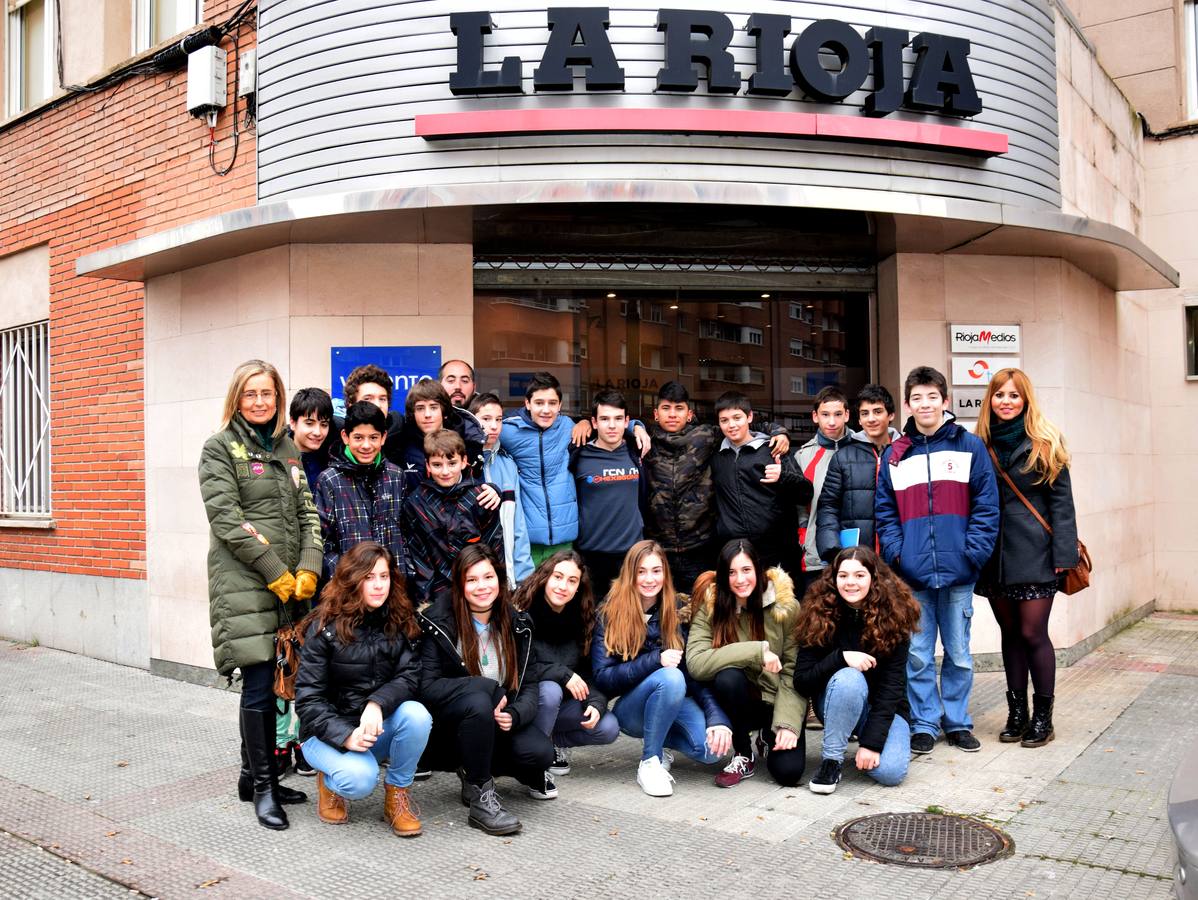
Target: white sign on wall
<point>967,402</point>
<point>976,371</point>
<point>984,339</point>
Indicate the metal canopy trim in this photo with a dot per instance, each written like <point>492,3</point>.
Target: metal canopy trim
<point>441,126</point>
<point>907,223</point>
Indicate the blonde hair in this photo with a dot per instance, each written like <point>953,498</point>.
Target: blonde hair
<point>1049,455</point>
<point>623,615</point>
<point>241,376</point>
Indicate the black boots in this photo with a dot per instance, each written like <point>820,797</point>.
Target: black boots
<point>245,783</point>
<point>1016,717</point>
<point>258,728</point>
<point>1039,732</point>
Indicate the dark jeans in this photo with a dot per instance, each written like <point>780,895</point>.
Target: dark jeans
<point>258,686</point>
<point>603,569</point>
<point>741,702</point>
<point>687,565</point>
<point>465,734</point>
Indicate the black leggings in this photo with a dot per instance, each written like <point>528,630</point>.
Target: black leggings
<point>1025,642</point>
<point>742,703</point>
<point>465,734</point>
<point>258,686</point>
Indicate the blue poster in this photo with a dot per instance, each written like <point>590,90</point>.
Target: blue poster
<point>405,365</point>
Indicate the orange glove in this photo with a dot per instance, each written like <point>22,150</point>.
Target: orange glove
<point>305,585</point>
<point>283,587</point>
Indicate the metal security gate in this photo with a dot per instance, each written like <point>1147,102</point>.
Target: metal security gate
<point>25,421</point>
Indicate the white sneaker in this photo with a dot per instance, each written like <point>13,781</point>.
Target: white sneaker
<point>667,758</point>
<point>654,779</point>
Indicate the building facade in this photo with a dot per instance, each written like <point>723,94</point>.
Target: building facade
<point>624,196</point>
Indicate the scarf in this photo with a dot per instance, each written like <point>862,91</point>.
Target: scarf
<point>1006,436</point>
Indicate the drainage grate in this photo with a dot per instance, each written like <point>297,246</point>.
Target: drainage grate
<point>925,840</point>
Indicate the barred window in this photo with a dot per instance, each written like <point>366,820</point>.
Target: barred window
<point>25,421</point>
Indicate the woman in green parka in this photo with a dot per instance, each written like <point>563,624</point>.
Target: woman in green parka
<point>264,550</point>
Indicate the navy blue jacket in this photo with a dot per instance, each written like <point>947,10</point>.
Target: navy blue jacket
<point>611,496</point>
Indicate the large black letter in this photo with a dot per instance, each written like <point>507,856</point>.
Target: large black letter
<point>887,45</point>
<point>770,79</point>
<point>566,23</point>
<point>470,78</point>
<point>843,40</point>
<point>942,80</point>
<point>696,36</point>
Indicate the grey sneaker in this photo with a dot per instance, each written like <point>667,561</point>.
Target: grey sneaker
<point>487,813</point>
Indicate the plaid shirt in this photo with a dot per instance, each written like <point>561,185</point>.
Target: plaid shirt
<point>437,523</point>
<point>360,503</point>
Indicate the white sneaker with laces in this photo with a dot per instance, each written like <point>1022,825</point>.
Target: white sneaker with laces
<point>667,758</point>
<point>654,779</point>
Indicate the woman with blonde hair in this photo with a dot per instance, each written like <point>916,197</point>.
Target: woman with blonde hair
<point>264,550</point>
<point>637,652</point>
<point>1023,575</point>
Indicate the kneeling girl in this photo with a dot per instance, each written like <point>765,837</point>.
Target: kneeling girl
<point>480,684</point>
<point>854,632</point>
<point>636,653</point>
<point>356,690</point>
<point>742,642</point>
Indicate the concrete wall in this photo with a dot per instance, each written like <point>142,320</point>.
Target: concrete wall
<point>26,279</point>
<point>288,305</point>
<point>1087,351</point>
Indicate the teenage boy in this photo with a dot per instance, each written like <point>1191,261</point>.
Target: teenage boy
<point>360,495</point>
<point>937,518</point>
<point>499,469</point>
<point>756,494</point>
<point>607,478</point>
<point>428,409</point>
<point>372,384</point>
<point>310,414</point>
<point>680,512</point>
<point>844,513</point>
<point>538,439</point>
<point>444,514</point>
<point>830,414</point>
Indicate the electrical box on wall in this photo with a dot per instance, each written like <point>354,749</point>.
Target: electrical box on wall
<point>247,74</point>
<point>206,87</point>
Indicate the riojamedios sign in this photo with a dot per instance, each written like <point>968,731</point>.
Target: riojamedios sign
<point>940,82</point>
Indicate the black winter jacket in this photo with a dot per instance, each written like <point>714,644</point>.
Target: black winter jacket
<point>846,499</point>
<point>887,681</point>
<point>750,509</point>
<point>335,680</point>
<point>445,678</point>
<point>558,643</point>
<point>1025,553</point>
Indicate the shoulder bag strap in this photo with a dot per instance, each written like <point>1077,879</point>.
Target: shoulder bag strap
<point>1007,478</point>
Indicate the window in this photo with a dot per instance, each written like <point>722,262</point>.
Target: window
<point>796,310</point>
<point>623,353</point>
<point>158,20</point>
<point>796,384</point>
<point>1192,341</point>
<point>653,313</point>
<point>750,335</point>
<point>30,70</point>
<point>25,421</point>
<point>1191,51</point>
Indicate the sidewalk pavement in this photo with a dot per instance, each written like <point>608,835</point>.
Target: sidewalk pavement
<point>114,782</point>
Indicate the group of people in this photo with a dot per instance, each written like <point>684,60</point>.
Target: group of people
<point>479,591</point>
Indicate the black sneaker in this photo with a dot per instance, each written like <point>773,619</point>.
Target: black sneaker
<point>422,774</point>
<point>301,764</point>
<point>826,779</point>
<point>963,740</point>
<point>543,789</point>
<point>561,762</point>
<point>922,743</point>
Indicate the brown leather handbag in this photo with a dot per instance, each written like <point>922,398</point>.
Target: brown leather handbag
<point>1072,580</point>
<point>288,642</point>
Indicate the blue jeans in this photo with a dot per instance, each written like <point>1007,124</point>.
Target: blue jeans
<point>949,610</point>
<point>659,711</point>
<point>353,774</point>
<point>559,715</point>
<point>844,710</point>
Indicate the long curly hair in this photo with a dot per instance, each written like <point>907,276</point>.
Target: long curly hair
<point>342,603</point>
<point>723,610</point>
<point>1049,455</point>
<point>623,616</point>
<point>502,630</point>
<point>533,589</point>
<point>889,611</point>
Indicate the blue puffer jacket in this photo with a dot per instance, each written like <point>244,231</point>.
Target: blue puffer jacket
<point>937,506</point>
<point>546,486</point>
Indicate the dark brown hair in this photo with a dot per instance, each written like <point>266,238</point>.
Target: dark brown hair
<point>341,599</point>
<point>368,374</point>
<point>890,612</point>
<point>533,587</point>
<point>429,390</point>
<point>501,614</point>
<point>444,443</point>
<point>723,611</point>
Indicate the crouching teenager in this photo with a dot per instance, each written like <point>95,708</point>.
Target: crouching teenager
<point>356,690</point>
<point>558,598</point>
<point>742,642</point>
<point>636,652</point>
<point>480,684</point>
<point>854,633</point>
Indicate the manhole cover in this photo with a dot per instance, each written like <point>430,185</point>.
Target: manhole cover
<point>927,840</point>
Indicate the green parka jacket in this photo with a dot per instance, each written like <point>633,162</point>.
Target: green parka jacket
<point>780,609</point>
<point>263,523</point>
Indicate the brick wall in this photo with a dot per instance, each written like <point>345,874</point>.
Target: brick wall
<point>98,170</point>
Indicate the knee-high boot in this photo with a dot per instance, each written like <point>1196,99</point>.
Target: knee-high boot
<point>259,729</point>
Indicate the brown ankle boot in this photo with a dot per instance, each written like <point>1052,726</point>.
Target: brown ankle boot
<point>330,808</point>
<point>400,811</point>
